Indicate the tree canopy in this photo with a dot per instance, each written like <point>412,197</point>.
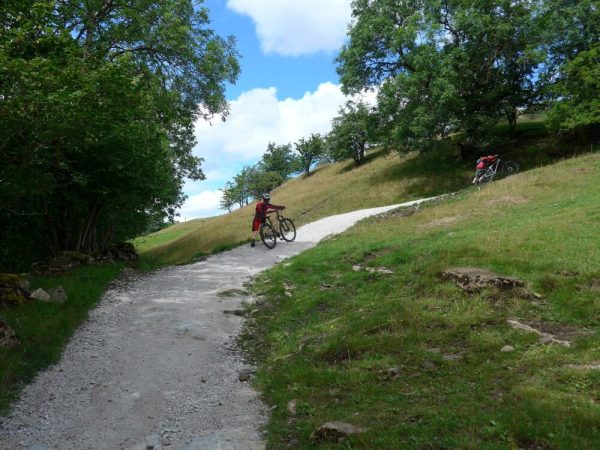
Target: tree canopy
<point>98,101</point>
<point>444,67</point>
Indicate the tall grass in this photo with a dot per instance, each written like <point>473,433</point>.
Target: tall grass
<point>329,346</point>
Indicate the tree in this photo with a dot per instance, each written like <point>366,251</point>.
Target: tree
<point>570,76</point>
<point>278,159</point>
<point>309,152</point>
<point>577,110</point>
<point>350,133</point>
<point>97,105</point>
<point>261,182</point>
<point>443,67</point>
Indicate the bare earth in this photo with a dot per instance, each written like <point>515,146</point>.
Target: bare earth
<point>155,366</point>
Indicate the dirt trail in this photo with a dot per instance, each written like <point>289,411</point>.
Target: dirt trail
<point>155,366</point>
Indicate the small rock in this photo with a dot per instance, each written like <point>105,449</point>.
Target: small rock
<point>245,374</point>
<point>507,349</point>
<point>393,373</point>
<point>57,294</point>
<point>537,296</point>
<point>291,407</point>
<point>335,431</point>
<point>357,268</point>
<point>8,338</point>
<point>451,357</point>
<point>41,295</point>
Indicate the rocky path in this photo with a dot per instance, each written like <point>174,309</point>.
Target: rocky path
<point>155,366</point>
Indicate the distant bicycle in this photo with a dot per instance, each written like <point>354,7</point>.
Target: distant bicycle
<point>496,168</point>
<point>283,228</point>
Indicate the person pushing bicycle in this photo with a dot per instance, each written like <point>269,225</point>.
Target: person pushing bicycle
<point>260,215</point>
<point>482,165</point>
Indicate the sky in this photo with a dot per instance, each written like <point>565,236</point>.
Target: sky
<point>288,87</point>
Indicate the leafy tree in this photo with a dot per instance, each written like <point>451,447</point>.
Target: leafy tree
<point>229,198</point>
<point>443,66</point>
<point>577,111</point>
<point>309,152</point>
<point>97,105</point>
<point>570,77</point>
<point>278,159</point>
<point>261,182</point>
<point>350,133</point>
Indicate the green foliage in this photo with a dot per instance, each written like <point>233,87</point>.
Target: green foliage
<point>578,108</point>
<point>97,119</point>
<point>261,182</point>
<point>309,152</point>
<point>278,159</point>
<point>443,67</point>
<point>350,133</point>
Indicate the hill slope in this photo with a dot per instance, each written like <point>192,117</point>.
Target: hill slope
<point>419,362</point>
<point>331,189</point>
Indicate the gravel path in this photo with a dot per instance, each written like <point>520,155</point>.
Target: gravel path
<point>155,366</point>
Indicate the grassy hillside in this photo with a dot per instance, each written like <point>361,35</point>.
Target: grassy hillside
<point>331,189</point>
<point>342,187</point>
<point>419,362</point>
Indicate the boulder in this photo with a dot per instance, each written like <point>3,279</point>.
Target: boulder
<point>121,251</point>
<point>41,295</point>
<point>335,431</point>
<point>57,294</point>
<point>14,289</point>
<point>8,338</point>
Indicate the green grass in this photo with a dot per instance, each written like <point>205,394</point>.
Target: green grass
<point>383,179</point>
<point>44,328</point>
<point>330,344</point>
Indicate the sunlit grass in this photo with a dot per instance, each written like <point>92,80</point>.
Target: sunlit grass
<point>330,345</point>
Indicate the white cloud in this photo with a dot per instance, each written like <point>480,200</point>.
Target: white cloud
<point>297,27</point>
<point>204,204</point>
<point>257,117</point>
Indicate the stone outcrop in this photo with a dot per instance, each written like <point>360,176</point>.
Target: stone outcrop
<point>473,279</point>
<point>67,260</point>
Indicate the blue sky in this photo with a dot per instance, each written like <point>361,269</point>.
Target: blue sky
<point>288,87</point>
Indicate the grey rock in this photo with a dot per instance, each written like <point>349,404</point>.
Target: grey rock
<point>57,294</point>
<point>41,295</point>
<point>245,374</point>
<point>335,431</point>
<point>8,338</point>
<point>292,407</point>
<point>507,349</point>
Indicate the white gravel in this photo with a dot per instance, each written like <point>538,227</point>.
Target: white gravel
<point>155,366</point>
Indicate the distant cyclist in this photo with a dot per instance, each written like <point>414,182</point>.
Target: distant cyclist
<point>260,216</point>
<point>482,165</point>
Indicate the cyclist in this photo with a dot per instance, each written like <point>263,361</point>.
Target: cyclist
<point>260,216</point>
<point>482,165</point>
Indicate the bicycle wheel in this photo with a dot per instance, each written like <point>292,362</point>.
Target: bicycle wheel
<point>287,230</point>
<point>510,167</point>
<point>267,235</point>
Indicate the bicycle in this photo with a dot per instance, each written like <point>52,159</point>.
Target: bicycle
<point>498,166</point>
<point>268,233</point>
